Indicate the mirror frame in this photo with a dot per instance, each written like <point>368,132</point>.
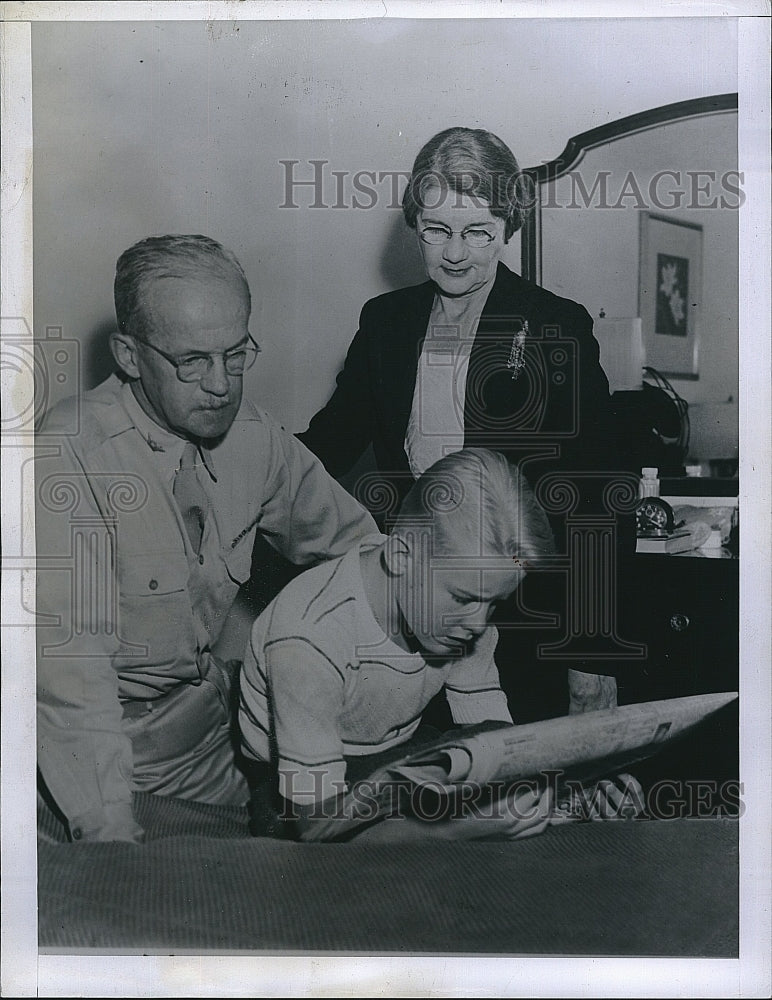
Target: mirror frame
<point>578,145</point>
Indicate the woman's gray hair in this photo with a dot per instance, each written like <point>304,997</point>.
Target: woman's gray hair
<point>477,497</point>
<point>173,256</point>
<point>474,162</point>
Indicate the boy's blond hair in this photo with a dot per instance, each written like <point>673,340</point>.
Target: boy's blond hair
<point>476,499</point>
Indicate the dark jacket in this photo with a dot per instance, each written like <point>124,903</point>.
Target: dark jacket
<point>554,418</point>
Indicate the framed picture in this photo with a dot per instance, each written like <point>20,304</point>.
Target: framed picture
<point>670,293</point>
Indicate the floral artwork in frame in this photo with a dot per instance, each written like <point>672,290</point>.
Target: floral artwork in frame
<point>670,293</point>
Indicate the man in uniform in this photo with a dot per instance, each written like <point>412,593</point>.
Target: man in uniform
<point>146,522</point>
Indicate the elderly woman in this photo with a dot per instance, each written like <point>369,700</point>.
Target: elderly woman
<point>475,356</point>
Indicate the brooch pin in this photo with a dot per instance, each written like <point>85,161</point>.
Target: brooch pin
<point>516,358</point>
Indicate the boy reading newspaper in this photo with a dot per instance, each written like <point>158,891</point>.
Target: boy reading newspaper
<point>341,665</point>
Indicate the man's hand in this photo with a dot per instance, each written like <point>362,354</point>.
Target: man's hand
<point>590,692</point>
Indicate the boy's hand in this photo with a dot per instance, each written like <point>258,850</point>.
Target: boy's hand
<point>618,798</point>
<point>524,812</point>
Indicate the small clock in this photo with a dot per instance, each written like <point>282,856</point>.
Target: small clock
<point>654,517</point>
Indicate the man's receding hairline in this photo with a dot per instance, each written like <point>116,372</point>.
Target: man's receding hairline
<point>148,312</point>
<point>193,277</point>
<point>196,269</point>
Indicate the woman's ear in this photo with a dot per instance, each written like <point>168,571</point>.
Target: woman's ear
<point>124,350</point>
<point>395,555</point>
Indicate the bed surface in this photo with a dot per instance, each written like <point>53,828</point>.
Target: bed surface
<point>201,883</point>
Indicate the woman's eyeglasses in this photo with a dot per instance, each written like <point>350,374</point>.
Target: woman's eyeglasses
<point>436,235</point>
<point>193,367</point>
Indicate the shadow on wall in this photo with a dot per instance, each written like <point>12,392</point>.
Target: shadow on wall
<point>98,360</point>
<point>401,262</point>
<point>400,265</point>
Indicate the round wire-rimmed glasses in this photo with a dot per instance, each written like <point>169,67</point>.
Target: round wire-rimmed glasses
<point>193,367</point>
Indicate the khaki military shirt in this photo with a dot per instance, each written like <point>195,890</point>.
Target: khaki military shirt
<point>126,611</point>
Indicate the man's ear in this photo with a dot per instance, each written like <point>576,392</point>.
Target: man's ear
<point>124,350</point>
<point>395,555</point>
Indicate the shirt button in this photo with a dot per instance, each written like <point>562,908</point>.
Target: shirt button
<point>153,585</point>
<point>77,833</point>
<point>201,560</point>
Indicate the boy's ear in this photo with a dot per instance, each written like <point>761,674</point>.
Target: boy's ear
<point>395,555</point>
<point>124,350</point>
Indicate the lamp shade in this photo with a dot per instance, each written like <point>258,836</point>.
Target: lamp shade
<point>621,351</point>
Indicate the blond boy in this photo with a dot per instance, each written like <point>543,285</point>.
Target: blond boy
<point>342,664</point>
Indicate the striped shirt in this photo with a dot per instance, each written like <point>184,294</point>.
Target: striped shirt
<point>322,681</point>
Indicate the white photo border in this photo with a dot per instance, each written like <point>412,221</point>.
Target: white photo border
<point>24,971</point>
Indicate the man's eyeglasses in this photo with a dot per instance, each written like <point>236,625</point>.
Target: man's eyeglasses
<point>436,235</point>
<point>193,367</point>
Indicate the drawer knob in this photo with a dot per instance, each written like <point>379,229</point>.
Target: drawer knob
<point>679,623</point>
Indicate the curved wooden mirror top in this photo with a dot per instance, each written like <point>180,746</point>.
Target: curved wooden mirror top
<point>621,207</point>
<point>578,145</point>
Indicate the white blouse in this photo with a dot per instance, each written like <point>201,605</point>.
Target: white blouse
<point>436,424</point>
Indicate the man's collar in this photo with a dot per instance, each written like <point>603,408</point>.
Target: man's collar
<point>157,438</point>
<point>208,459</point>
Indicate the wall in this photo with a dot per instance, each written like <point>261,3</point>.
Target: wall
<point>144,128</point>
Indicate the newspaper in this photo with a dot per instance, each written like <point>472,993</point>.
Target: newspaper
<point>583,747</point>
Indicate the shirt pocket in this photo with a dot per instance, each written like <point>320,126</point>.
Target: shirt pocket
<point>155,608</point>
